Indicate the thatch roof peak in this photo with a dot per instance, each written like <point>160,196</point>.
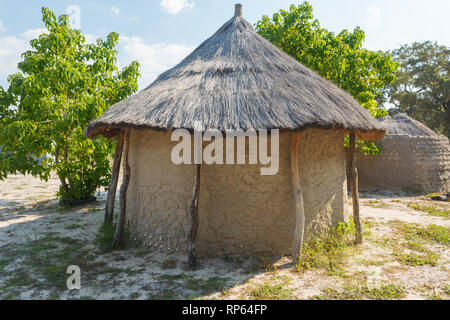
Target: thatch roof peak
<point>402,124</point>
<point>237,79</point>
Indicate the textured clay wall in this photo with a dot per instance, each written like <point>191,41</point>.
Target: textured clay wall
<point>158,193</point>
<point>240,211</point>
<point>421,163</point>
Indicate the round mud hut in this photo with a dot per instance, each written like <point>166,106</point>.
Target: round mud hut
<point>235,80</point>
<point>414,159</point>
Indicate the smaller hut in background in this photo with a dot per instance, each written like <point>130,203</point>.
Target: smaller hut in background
<point>414,158</point>
<point>402,125</point>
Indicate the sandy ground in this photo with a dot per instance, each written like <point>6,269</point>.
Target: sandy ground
<point>39,240</point>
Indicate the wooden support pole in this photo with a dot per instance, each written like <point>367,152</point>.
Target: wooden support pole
<point>109,209</point>
<point>118,236</point>
<point>193,223</point>
<point>298,198</point>
<point>354,186</point>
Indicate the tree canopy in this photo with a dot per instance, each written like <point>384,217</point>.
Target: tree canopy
<point>422,85</point>
<point>63,83</point>
<point>339,58</point>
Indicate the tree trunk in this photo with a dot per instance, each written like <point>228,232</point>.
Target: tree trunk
<point>63,181</point>
<point>109,209</point>
<point>193,223</point>
<point>447,123</point>
<point>66,160</point>
<point>354,186</point>
<point>298,198</point>
<point>118,236</point>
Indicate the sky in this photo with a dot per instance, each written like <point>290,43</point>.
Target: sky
<point>160,33</point>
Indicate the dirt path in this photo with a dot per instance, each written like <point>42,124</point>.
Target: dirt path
<point>405,256</point>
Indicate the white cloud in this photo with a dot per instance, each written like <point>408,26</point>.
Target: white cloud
<point>2,27</point>
<point>33,33</point>
<point>11,49</point>
<point>154,58</point>
<point>115,11</point>
<point>175,6</point>
<point>74,13</point>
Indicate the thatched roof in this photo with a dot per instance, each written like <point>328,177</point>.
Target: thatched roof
<point>238,79</point>
<point>401,124</point>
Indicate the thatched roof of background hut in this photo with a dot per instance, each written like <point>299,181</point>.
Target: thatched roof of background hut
<point>401,124</point>
<point>238,79</point>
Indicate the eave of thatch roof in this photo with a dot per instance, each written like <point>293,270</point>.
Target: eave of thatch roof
<point>238,79</point>
<point>401,124</point>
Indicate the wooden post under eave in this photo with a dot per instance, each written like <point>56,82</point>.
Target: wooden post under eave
<point>118,236</point>
<point>298,198</point>
<point>354,186</point>
<point>109,209</point>
<point>193,223</point>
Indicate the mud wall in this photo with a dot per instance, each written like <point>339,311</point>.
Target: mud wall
<point>417,163</point>
<point>240,211</point>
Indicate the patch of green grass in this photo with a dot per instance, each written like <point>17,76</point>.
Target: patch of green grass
<point>446,288</point>
<point>105,236</point>
<point>131,272</point>
<point>13,295</point>
<point>201,286</point>
<point>383,292</point>
<point>4,262</point>
<point>417,245</point>
<point>47,259</point>
<point>432,210</point>
<point>167,294</point>
<point>269,291</point>
<point>53,265</point>
<point>112,272</point>
<point>20,279</point>
<point>414,259</point>
<point>206,286</point>
<point>327,251</point>
<point>362,292</point>
<point>433,292</point>
<point>430,232</point>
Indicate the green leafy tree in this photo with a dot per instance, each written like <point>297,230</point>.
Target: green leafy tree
<point>63,83</point>
<point>339,58</point>
<point>422,85</point>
